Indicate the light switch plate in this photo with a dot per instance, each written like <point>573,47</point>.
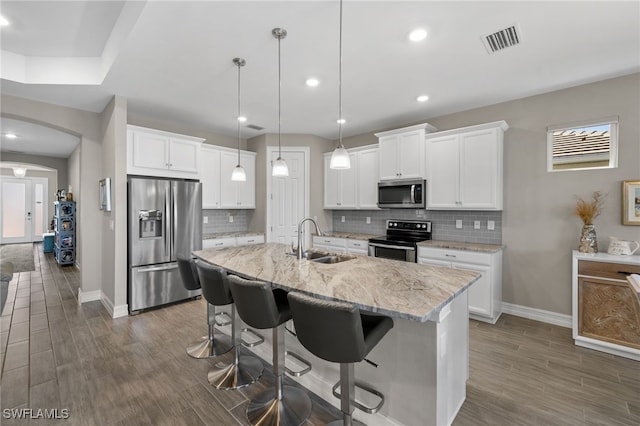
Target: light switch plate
<point>230,219</point>
<point>476,224</point>
<point>368,220</point>
<point>342,219</point>
<point>491,225</point>
<point>458,224</point>
<point>205,219</point>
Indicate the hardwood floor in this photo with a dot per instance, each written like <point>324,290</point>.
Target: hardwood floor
<point>134,370</point>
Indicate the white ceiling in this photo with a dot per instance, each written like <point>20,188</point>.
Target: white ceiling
<point>172,60</point>
<point>34,139</point>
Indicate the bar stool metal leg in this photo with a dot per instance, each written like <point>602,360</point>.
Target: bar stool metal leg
<point>284,405</point>
<point>243,371</point>
<point>210,346</point>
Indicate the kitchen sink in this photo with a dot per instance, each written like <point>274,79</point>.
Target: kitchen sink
<point>323,257</point>
<point>332,259</point>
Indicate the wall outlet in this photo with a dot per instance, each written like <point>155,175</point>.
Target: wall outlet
<point>458,224</point>
<point>342,219</point>
<point>476,224</point>
<point>230,219</point>
<point>491,225</point>
<point>205,219</point>
<point>368,220</point>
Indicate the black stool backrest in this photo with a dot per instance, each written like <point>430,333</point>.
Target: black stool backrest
<point>329,330</point>
<point>257,304</point>
<point>215,285</point>
<point>188,272</point>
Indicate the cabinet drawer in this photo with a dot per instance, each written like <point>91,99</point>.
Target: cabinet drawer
<point>358,244</point>
<point>254,239</point>
<point>218,243</point>
<point>330,241</point>
<point>617,271</point>
<point>454,255</point>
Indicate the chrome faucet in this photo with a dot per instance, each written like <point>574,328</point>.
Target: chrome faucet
<point>300,230</point>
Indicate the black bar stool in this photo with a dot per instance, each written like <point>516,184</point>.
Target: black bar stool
<point>245,369</point>
<point>207,346</point>
<point>339,332</point>
<point>261,307</point>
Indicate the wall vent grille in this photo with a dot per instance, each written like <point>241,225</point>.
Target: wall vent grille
<point>254,127</point>
<point>502,39</point>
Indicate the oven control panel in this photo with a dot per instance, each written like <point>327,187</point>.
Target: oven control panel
<point>409,225</point>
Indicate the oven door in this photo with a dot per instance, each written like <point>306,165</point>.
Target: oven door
<point>395,252</point>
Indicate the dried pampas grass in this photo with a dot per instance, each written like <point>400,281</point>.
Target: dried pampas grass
<point>589,210</point>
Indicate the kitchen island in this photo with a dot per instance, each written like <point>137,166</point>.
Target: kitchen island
<point>421,365</point>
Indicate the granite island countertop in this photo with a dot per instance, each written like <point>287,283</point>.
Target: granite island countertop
<point>399,289</point>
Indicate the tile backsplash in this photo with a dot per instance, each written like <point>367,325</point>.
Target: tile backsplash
<point>443,228</point>
<point>219,221</point>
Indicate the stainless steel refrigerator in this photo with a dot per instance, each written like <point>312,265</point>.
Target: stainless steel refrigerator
<point>165,221</point>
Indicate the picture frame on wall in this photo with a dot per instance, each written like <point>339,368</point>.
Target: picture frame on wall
<point>105,194</point>
<point>631,202</point>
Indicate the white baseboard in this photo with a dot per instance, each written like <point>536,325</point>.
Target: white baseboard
<point>541,315</point>
<point>90,296</point>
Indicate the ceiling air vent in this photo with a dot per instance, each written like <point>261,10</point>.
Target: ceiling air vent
<point>254,127</point>
<point>502,39</point>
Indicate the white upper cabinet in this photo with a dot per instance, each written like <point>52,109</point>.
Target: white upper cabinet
<point>464,168</point>
<point>340,185</point>
<point>367,181</point>
<point>210,177</point>
<point>354,188</point>
<point>402,152</point>
<point>218,190</point>
<point>153,152</point>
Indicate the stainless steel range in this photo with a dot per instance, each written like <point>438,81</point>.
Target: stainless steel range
<point>401,240</point>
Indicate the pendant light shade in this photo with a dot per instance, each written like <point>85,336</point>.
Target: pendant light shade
<point>279,167</point>
<point>19,172</point>
<point>238,174</point>
<point>340,158</point>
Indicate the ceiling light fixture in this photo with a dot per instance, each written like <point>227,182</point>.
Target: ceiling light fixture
<point>19,172</point>
<point>312,82</point>
<point>340,157</point>
<point>3,21</point>
<point>422,98</point>
<point>417,35</point>
<point>279,167</point>
<point>10,135</point>
<point>242,119</point>
<point>238,173</point>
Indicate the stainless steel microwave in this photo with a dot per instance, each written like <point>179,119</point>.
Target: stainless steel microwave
<point>402,194</point>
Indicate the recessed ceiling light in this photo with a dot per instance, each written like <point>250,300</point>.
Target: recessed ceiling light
<point>10,135</point>
<point>312,82</point>
<point>242,119</point>
<point>422,98</point>
<point>3,21</point>
<point>418,35</point>
<point>341,121</point>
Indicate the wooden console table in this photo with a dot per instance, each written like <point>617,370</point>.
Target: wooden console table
<point>606,312</point>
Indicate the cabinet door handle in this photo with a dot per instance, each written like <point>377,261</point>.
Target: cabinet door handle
<point>450,255</point>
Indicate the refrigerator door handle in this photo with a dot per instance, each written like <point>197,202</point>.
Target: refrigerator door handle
<point>168,218</point>
<point>166,267</point>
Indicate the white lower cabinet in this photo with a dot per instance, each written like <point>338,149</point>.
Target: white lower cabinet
<point>358,247</point>
<point>232,241</point>
<point>330,243</point>
<point>485,295</point>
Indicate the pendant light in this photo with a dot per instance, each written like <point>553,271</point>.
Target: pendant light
<point>238,173</point>
<point>279,168</point>
<point>340,157</point>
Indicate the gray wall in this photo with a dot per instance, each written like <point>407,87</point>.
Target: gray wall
<point>538,227</point>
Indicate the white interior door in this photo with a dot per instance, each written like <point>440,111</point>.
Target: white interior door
<point>288,201</point>
<point>24,209</point>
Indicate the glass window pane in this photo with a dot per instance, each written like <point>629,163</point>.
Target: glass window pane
<point>38,219</point>
<point>584,147</point>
